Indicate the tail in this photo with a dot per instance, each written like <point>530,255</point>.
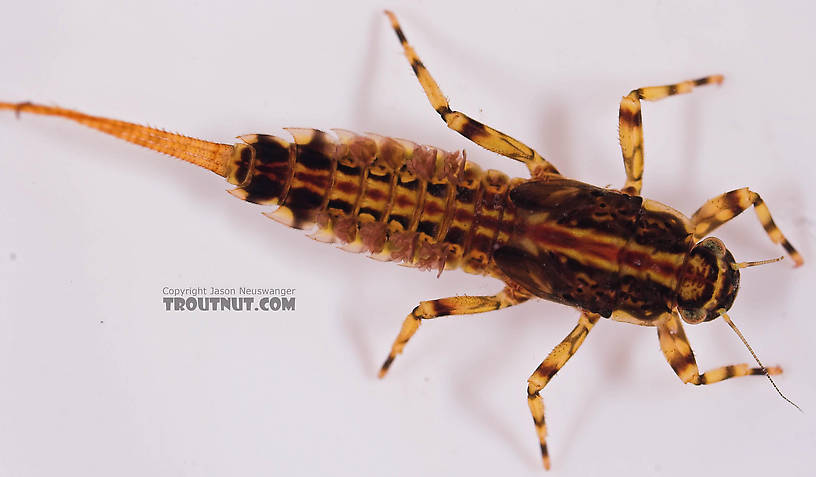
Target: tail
<point>209,155</point>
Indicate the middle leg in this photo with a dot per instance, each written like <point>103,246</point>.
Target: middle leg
<point>630,125</point>
<point>481,134</point>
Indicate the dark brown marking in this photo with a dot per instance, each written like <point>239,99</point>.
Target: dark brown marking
<point>376,214</point>
<point>353,171</point>
<point>376,194</point>
<point>432,208</point>
<point>301,198</point>
<point>488,223</point>
<point>550,237</point>
<point>417,66</point>
<point>481,242</point>
<point>241,174</point>
<point>404,200</point>
<point>401,35</point>
<point>473,130</point>
<point>342,205</point>
<point>441,308</point>
<point>318,180</point>
<point>428,227</point>
<point>439,190</point>
<point>387,363</point>
<point>269,150</point>
<point>400,219</point>
<point>302,217</point>
<point>644,299</point>
<point>554,277</point>
<point>474,220</point>
<point>662,232</point>
<point>462,215</point>
<point>313,159</point>
<point>263,189</point>
<point>385,178</point>
<point>632,118</point>
<point>347,187</point>
<point>646,261</point>
<point>455,235</point>
<point>492,200</point>
<point>410,185</point>
<point>573,204</point>
<point>465,195</point>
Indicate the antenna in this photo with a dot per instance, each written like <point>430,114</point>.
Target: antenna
<point>737,266</point>
<point>764,369</point>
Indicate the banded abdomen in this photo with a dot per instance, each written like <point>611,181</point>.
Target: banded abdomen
<point>397,200</point>
<point>597,249</point>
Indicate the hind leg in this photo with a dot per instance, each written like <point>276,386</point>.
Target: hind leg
<point>456,305</point>
<point>557,358</point>
<point>477,132</point>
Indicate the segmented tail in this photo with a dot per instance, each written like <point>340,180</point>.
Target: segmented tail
<point>209,155</point>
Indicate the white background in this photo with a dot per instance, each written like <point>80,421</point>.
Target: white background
<point>97,379</point>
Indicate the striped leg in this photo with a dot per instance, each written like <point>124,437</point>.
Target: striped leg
<point>631,125</point>
<point>477,132</point>
<point>725,207</point>
<point>456,305</point>
<point>678,353</point>
<point>547,369</point>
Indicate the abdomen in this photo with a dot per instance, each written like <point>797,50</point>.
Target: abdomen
<point>394,199</point>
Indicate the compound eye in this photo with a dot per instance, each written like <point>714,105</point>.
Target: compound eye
<point>693,316</point>
<point>715,245</point>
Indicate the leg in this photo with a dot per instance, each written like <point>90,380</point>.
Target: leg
<point>477,132</point>
<point>678,353</point>
<point>725,207</point>
<point>457,305</point>
<point>547,369</point>
<point>631,127</point>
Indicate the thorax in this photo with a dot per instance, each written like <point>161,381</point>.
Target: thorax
<point>596,249</point>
